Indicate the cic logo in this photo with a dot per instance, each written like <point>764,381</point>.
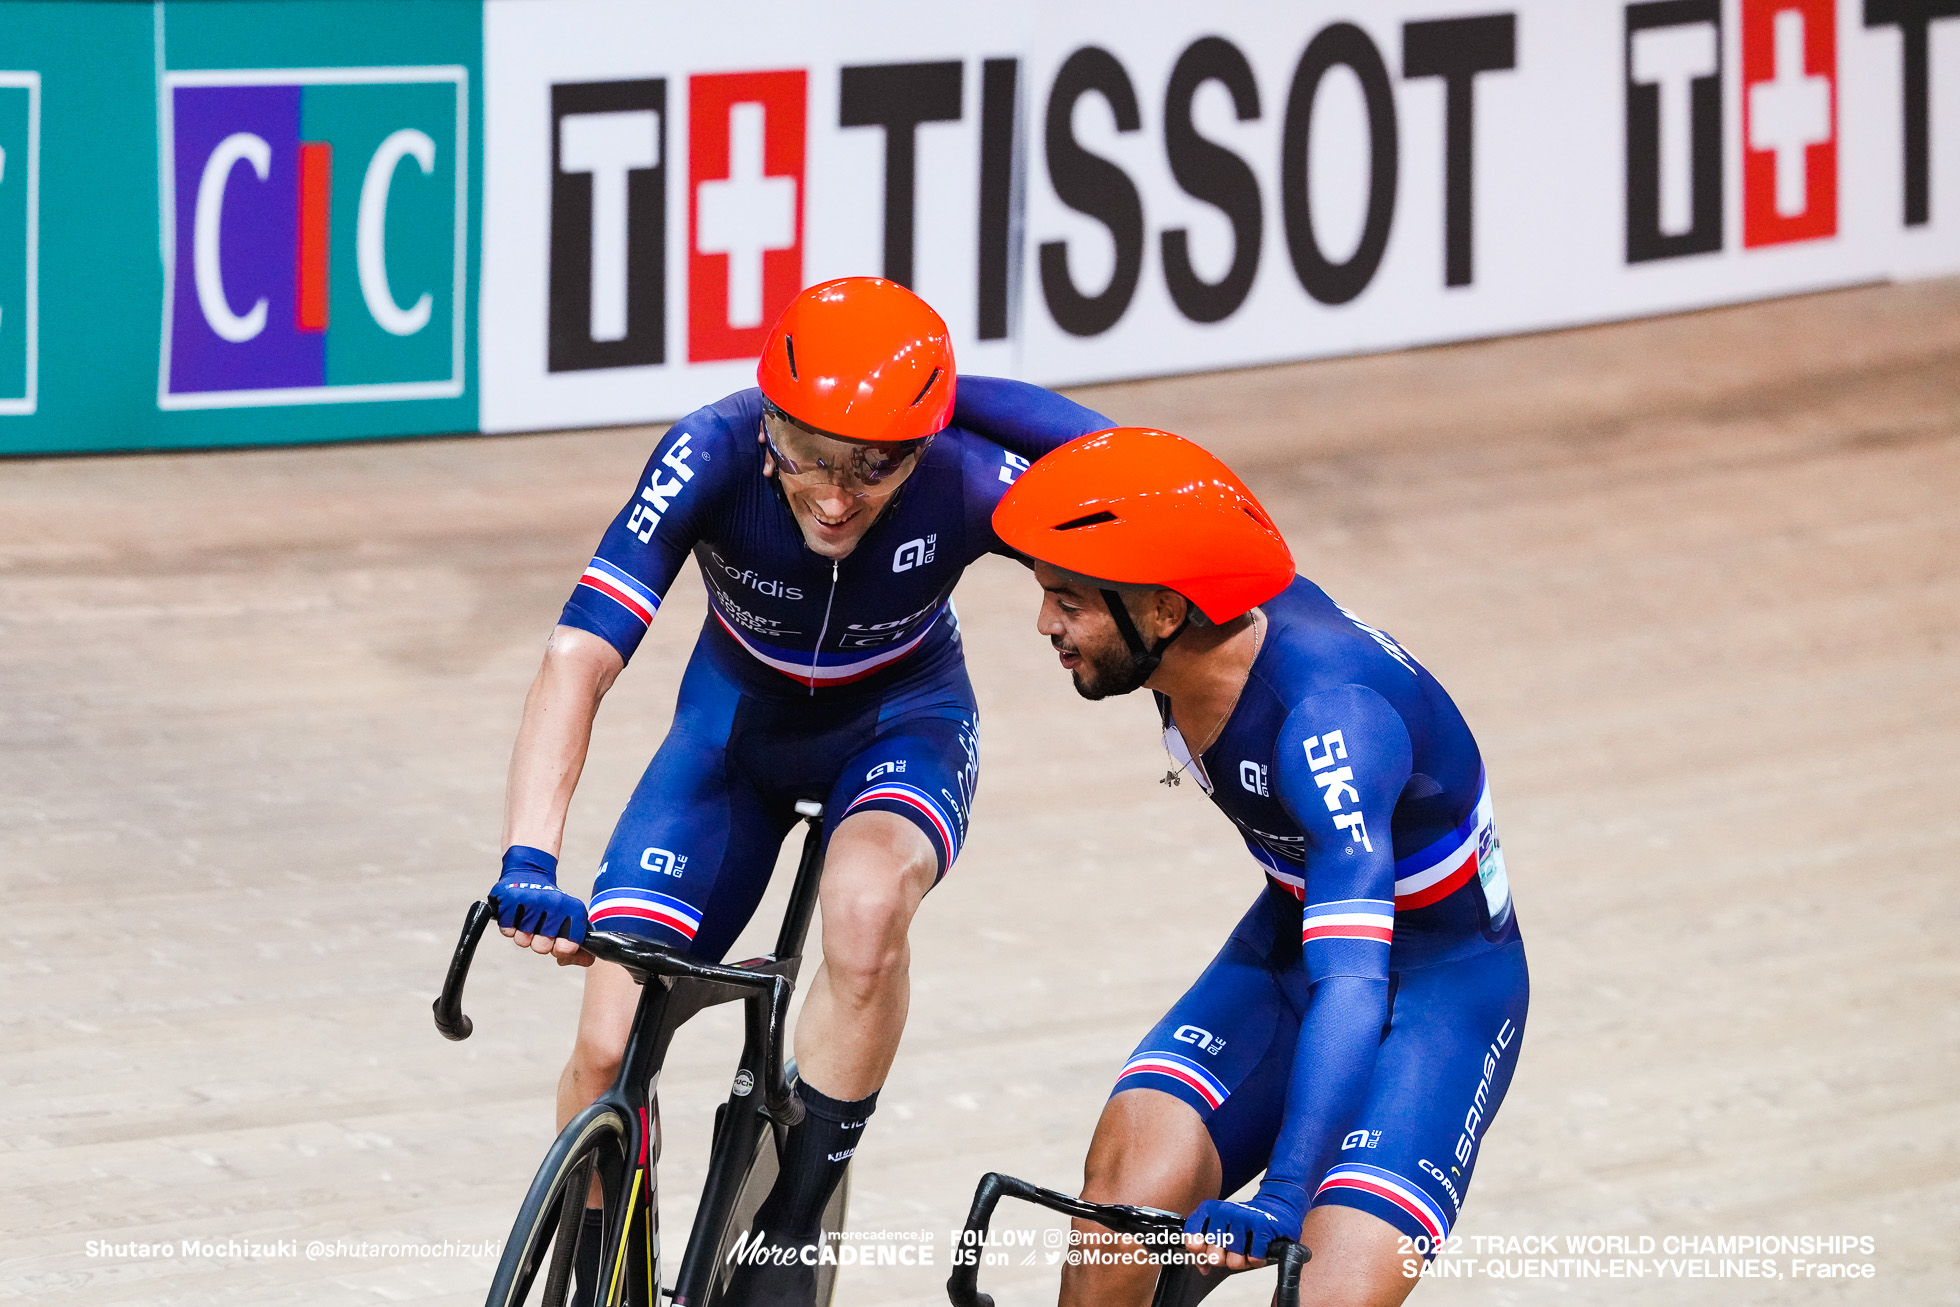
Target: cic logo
<point>317,252</point>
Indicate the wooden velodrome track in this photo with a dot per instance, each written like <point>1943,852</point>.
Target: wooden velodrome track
<point>1692,580</point>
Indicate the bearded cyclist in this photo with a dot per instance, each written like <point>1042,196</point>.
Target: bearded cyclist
<point>1357,1032</point>
<point>830,512</point>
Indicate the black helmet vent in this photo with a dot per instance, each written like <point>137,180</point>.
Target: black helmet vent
<point>1092,519</point>
<point>930,382</point>
<point>789,348</point>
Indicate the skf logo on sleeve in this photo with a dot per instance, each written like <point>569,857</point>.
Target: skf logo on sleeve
<point>657,495</point>
<point>745,208</point>
<point>317,246</point>
<point>1789,120</point>
<point>1338,782</point>
<point>20,183</point>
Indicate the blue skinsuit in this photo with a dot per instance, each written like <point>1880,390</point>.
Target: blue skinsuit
<point>1359,1029</point>
<point>843,682</point>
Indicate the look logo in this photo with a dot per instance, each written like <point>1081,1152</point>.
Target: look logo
<point>319,235</point>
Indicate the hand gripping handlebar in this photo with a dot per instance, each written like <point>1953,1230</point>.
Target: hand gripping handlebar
<point>963,1286</point>
<point>765,1003</point>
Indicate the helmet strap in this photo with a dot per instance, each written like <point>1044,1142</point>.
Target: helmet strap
<point>1146,657</point>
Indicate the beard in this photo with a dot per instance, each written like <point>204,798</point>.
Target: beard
<point>1112,674</point>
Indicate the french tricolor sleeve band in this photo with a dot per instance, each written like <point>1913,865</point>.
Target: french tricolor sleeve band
<point>633,910</point>
<point>1392,1189</point>
<point>1140,1071</point>
<point>1436,872</point>
<point>616,584</point>
<point>917,806</point>
<point>1352,919</point>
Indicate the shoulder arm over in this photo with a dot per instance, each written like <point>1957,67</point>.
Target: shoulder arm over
<point>682,492</point>
<point>1023,419</point>
<point>1016,423</point>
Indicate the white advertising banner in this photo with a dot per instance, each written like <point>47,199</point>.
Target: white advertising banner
<point>1091,192</point>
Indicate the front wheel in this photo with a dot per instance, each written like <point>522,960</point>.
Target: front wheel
<point>550,1224</point>
<point>761,1179</point>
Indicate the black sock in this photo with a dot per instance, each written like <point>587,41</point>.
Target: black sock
<point>818,1149</point>
<point>585,1266</point>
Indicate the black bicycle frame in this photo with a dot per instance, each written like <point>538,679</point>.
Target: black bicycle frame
<point>1173,1289</point>
<point>674,988</point>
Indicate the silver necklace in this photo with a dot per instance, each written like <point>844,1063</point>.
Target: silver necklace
<point>1175,778</point>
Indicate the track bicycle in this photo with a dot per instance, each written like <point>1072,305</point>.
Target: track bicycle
<point>613,1146</point>
<point>1180,1284</point>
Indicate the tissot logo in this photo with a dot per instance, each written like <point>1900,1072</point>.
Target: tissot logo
<point>1789,120</point>
<point>608,302</point>
<point>1673,128</point>
<point>1674,125</point>
<point>745,208</point>
<point>319,242</point>
<point>1220,189</point>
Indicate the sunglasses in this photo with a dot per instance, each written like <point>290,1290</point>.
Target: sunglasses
<point>817,457</point>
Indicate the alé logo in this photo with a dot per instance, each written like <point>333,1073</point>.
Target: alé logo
<point>319,220</point>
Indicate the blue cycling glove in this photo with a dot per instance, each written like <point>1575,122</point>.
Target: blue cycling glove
<point>527,898</point>
<point>1276,1212</point>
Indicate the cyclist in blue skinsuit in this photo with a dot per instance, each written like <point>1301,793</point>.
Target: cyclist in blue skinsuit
<point>1357,1032</point>
<point>830,512</point>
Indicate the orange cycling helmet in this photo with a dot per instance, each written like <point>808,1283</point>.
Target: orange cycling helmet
<point>860,358</point>
<point>1140,507</point>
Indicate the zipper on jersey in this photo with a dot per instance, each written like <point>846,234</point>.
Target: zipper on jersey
<point>824,629</point>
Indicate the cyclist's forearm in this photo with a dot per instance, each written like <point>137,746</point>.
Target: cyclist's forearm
<point>1024,419</point>
<point>1332,1065</point>
<point>554,735</point>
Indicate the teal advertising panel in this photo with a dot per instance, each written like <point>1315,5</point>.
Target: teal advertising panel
<point>261,216</point>
<point>79,258</point>
<point>20,167</point>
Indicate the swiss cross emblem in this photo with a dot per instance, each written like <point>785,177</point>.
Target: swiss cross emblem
<point>745,208</point>
<point>1789,121</point>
